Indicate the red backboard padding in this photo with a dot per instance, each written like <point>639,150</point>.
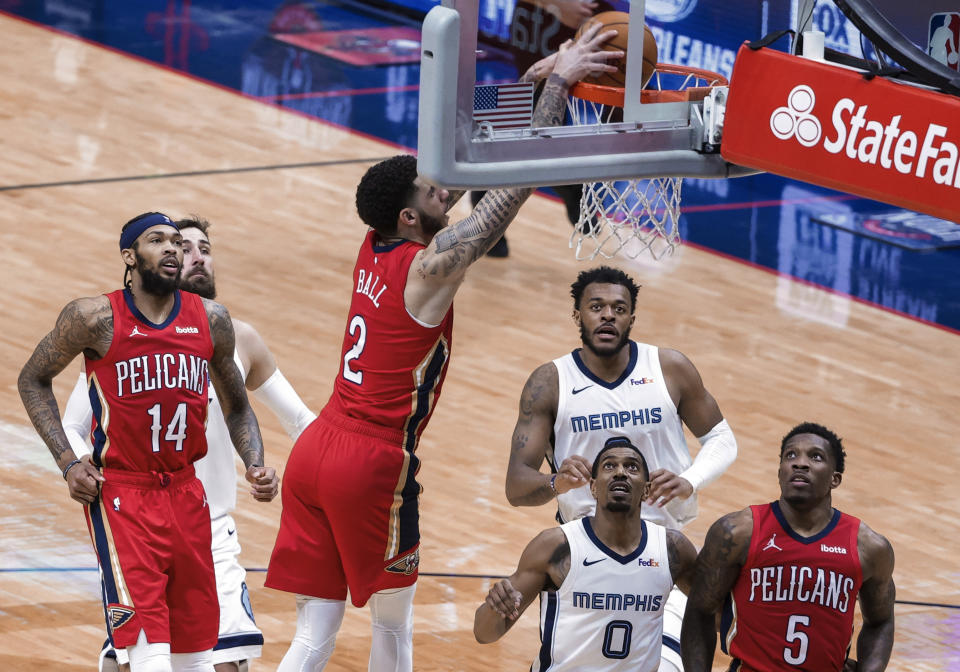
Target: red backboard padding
<point>828,125</point>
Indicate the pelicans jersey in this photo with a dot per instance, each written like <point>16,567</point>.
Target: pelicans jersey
<point>149,392</point>
<point>150,524</point>
<point>791,608</point>
<point>607,615</point>
<point>636,405</point>
<point>391,366</point>
<point>358,455</point>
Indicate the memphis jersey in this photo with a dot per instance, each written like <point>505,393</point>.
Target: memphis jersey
<point>391,366</point>
<point>149,392</point>
<point>791,608</point>
<point>217,469</point>
<point>607,615</point>
<point>636,405</point>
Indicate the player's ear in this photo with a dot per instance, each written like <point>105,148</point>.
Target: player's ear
<point>835,481</point>
<point>408,217</point>
<point>129,256</point>
<point>576,316</point>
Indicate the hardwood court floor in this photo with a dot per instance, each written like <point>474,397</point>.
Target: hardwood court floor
<point>774,352</point>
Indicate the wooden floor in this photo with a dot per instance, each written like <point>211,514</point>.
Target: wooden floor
<point>772,351</point>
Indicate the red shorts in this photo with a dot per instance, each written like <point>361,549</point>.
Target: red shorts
<point>350,517</point>
<point>151,532</point>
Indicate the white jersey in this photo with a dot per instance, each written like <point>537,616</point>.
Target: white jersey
<point>607,614</point>
<point>636,405</point>
<point>217,469</point>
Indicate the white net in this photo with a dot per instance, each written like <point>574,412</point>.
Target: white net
<point>623,217</point>
<point>628,218</point>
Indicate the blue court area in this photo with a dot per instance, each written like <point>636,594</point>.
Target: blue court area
<point>367,80</point>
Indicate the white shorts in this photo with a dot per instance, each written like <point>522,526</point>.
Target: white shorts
<point>672,622</point>
<point>240,638</point>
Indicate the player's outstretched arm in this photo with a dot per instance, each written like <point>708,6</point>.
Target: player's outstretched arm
<point>699,411</point>
<point>83,324</point>
<point>438,270</point>
<point>544,563</point>
<point>723,554</point>
<point>266,382</point>
<point>239,417</point>
<point>683,557</point>
<point>877,595</point>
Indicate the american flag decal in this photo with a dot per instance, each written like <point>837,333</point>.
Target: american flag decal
<point>504,105</point>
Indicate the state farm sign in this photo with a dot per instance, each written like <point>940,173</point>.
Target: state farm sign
<point>831,126</point>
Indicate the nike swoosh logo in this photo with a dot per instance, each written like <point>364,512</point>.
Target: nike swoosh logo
<point>576,391</point>
<point>587,563</point>
<point>231,531</point>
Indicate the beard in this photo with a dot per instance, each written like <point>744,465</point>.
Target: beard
<point>617,506</point>
<point>431,225</point>
<point>200,283</point>
<point>153,282</point>
<point>606,350</point>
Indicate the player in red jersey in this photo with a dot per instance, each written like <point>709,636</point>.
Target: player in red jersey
<point>150,351</point>
<point>786,575</point>
<point>350,520</point>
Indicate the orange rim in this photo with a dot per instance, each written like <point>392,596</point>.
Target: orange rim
<point>612,96</point>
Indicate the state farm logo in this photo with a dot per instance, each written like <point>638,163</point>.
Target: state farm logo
<point>794,119</point>
<point>870,138</point>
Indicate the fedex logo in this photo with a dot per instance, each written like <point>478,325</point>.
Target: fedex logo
<point>943,39</point>
<point>859,137</point>
<point>648,563</point>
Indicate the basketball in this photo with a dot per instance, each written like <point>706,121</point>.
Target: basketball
<point>620,21</point>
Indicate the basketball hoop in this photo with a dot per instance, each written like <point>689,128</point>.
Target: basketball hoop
<point>631,217</point>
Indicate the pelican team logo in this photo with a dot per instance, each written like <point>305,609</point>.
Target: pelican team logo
<point>119,614</point>
<point>406,565</point>
<point>795,118</point>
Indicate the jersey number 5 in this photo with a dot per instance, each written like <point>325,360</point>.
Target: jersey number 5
<point>176,429</point>
<point>358,329</point>
<point>796,637</point>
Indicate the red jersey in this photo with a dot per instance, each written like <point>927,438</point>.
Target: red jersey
<point>149,392</point>
<point>792,605</point>
<point>392,366</point>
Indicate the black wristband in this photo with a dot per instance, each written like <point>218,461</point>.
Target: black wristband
<point>70,466</point>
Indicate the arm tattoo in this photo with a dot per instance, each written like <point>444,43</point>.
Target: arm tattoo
<point>84,324</point>
<point>241,422</point>
<point>458,246</point>
<point>466,241</point>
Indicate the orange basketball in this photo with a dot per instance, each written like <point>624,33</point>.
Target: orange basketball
<point>620,21</point>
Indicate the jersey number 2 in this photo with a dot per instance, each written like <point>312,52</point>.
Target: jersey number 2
<point>358,329</point>
<point>176,429</point>
<point>796,636</point>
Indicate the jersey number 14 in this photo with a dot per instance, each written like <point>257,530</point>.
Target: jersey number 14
<point>176,428</point>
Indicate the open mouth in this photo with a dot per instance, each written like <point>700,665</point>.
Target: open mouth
<point>620,487</point>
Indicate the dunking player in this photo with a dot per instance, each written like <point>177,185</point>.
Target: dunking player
<point>350,497</point>
<point>150,352</point>
<point>790,573</point>
<point>569,407</point>
<point>239,638</point>
<point>602,580</point>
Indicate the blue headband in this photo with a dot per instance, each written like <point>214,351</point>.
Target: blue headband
<point>136,229</point>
